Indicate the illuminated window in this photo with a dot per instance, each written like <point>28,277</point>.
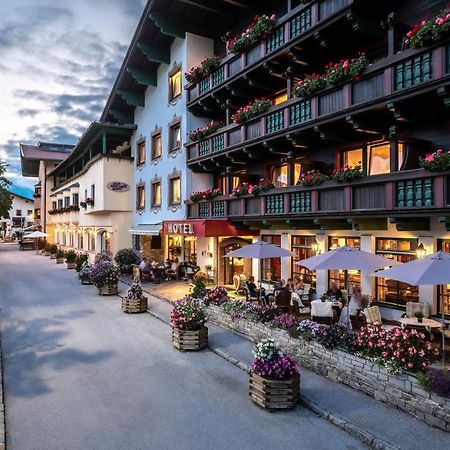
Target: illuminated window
<point>174,137</point>
<point>156,146</point>
<point>401,152</point>
<point>379,159</point>
<point>280,176</point>
<point>297,172</point>
<point>353,157</point>
<point>140,157</point>
<point>338,276</point>
<point>175,84</point>
<point>175,190</point>
<point>235,181</point>
<point>280,99</point>
<point>156,195</point>
<point>140,197</point>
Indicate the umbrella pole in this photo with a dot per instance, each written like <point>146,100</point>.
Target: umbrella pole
<point>348,299</point>
<point>260,280</point>
<point>443,326</point>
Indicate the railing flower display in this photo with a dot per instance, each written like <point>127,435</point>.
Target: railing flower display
<point>429,31</point>
<point>202,133</point>
<point>89,201</point>
<point>246,188</point>
<point>309,85</point>
<point>437,161</point>
<point>205,195</point>
<point>83,205</point>
<point>347,174</point>
<point>205,68</point>
<point>259,28</point>
<point>312,178</point>
<point>253,109</point>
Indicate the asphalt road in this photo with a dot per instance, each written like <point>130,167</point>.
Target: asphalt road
<point>80,374</point>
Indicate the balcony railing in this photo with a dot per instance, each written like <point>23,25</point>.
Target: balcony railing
<point>386,80</point>
<point>402,192</point>
<point>289,30</point>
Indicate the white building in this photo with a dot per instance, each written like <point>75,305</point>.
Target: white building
<point>21,213</point>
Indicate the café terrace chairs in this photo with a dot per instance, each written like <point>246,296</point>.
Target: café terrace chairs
<point>283,300</point>
<point>322,312</point>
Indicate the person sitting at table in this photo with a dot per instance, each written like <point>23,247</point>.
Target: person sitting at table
<point>172,270</point>
<point>290,285</point>
<point>298,285</point>
<point>354,305</point>
<point>143,263</point>
<point>334,292</point>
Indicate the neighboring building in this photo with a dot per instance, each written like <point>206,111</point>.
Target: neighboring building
<point>149,93</point>
<point>394,112</point>
<point>21,214</point>
<point>89,192</point>
<point>37,161</point>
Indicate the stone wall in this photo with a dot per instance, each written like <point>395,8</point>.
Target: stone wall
<point>402,391</point>
<point>150,253</point>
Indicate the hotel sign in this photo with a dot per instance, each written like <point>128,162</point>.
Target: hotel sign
<point>118,186</point>
<point>184,228</point>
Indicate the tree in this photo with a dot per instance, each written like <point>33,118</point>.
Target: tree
<point>5,196</point>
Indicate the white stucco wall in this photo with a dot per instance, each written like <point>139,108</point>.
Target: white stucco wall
<point>18,203</point>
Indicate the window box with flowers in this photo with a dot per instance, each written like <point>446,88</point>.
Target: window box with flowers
<point>429,31</point>
<point>347,174</point>
<point>258,29</point>
<point>435,162</point>
<point>246,188</point>
<point>83,205</point>
<point>309,85</point>
<point>312,178</point>
<point>275,379</point>
<point>205,68</point>
<point>253,109</point>
<point>202,133</point>
<point>89,201</point>
<point>188,320</point>
<point>205,195</point>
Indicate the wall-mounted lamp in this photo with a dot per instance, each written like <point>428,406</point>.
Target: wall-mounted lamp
<point>315,247</point>
<point>421,251</point>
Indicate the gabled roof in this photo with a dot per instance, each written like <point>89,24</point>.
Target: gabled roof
<point>21,191</point>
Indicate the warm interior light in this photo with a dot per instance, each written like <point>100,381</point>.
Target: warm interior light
<point>421,251</point>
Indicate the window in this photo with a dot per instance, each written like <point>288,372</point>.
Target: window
<point>175,80</point>
<point>54,205</point>
<point>66,201</point>
<point>400,153</point>
<point>18,212</point>
<point>379,159</point>
<point>136,242</point>
<point>140,153</point>
<point>60,203</point>
<point>174,137</point>
<point>353,157</point>
<point>75,199</point>
<point>281,98</point>
<point>392,291</point>
<point>444,290</point>
<point>93,191</point>
<point>156,146</point>
<point>174,191</point>
<point>301,248</point>
<point>29,212</point>
<point>271,267</point>
<point>338,276</point>
<point>280,176</point>
<point>156,194</point>
<point>18,222</point>
<point>140,197</point>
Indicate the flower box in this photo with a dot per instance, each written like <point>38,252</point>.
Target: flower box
<point>47,254</point>
<point>59,260</point>
<point>184,340</point>
<point>86,280</point>
<point>134,306</point>
<point>274,394</point>
<point>108,289</point>
<point>71,265</point>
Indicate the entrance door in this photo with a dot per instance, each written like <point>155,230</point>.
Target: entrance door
<point>233,266</point>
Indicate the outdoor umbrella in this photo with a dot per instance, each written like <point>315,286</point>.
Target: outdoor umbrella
<point>36,235</point>
<point>259,250</point>
<point>347,258</point>
<point>432,269</point>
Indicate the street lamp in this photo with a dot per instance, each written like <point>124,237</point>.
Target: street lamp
<point>421,251</point>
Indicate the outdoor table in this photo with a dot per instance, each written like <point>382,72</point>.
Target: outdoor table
<point>413,322</point>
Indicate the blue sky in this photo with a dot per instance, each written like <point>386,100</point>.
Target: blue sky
<point>59,59</point>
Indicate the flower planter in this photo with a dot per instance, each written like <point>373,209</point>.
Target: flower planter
<point>86,281</point>
<point>274,394</point>
<point>59,260</point>
<point>112,289</point>
<point>52,256</point>
<point>47,254</point>
<point>440,379</point>
<point>71,265</point>
<point>134,306</point>
<point>189,340</point>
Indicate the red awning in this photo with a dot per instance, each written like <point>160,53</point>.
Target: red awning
<point>204,228</point>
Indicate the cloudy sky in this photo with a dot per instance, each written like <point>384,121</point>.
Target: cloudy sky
<point>58,61</point>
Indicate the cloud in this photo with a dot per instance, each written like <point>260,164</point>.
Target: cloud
<point>24,112</point>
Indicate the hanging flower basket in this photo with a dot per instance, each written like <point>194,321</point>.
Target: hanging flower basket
<point>108,289</point>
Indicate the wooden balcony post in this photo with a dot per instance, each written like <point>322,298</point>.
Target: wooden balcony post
<point>314,107</point>
<point>388,81</point>
<point>391,20</point>
<point>390,195</point>
<point>438,61</point>
<point>286,203</point>
<point>347,95</point>
<point>314,201</point>
<point>439,192</point>
<point>347,198</point>
<point>314,13</point>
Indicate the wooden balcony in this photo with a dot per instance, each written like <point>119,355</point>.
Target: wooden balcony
<point>301,23</point>
<point>411,193</point>
<point>402,77</point>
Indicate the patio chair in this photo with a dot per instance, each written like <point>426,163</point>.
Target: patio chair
<point>250,297</point>
<point>373,314</point>
<point>412,308</point>
<point>322,312</point>
<point>283,300</point>
<point>358,321</point>
<point>239,283</point>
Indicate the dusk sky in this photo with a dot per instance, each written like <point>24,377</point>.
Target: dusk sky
<point>59,59</point>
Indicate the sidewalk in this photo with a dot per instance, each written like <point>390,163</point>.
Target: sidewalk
<point>374,423</point>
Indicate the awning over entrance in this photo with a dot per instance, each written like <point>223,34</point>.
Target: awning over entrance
<point>151,229</point>
<point>204,228</point>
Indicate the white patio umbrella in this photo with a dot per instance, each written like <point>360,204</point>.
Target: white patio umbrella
<point>347,258</point>
<point>260,250</point>
<point>36,235</point>
<point>432,269</point>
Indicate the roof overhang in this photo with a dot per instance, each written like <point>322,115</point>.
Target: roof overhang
<point>152,229</point>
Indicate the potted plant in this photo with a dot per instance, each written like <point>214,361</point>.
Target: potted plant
<point>188,325</point>
<point>84,274</point>
<point>47,248</point>
<point>60,255</point>
<point>419,316</point>
<point>105,275</point>
<point>53,250</point>
<point>274,380</point>
<point>125,258</point>
<point>435,162</point>
<point>82,259</point>
<point>71,258</point>
<point>104,255</point>
<point>134,301</point>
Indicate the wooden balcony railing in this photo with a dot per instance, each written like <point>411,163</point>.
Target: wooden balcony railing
<point>385,81</point>
<point>390,194</point>
<point>293,27</point>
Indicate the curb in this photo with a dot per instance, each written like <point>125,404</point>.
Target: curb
<point>2,402</point>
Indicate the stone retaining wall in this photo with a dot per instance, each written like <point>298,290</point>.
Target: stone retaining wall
<point>402,390</point>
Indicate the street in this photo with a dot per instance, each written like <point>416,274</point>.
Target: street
<point>80,374</point>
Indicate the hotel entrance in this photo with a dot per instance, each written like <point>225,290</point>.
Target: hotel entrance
<point>229,267</point>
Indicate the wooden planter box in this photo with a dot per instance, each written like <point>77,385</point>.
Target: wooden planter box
<point>189,340</point>
<point>85,280</point>
<point>108,290</point>
<point>134,306</point>
<point>52,256</point>
<point>274,394</point>
<point>71,265</point>
<point>59,260</point>
<point>47,254</point>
